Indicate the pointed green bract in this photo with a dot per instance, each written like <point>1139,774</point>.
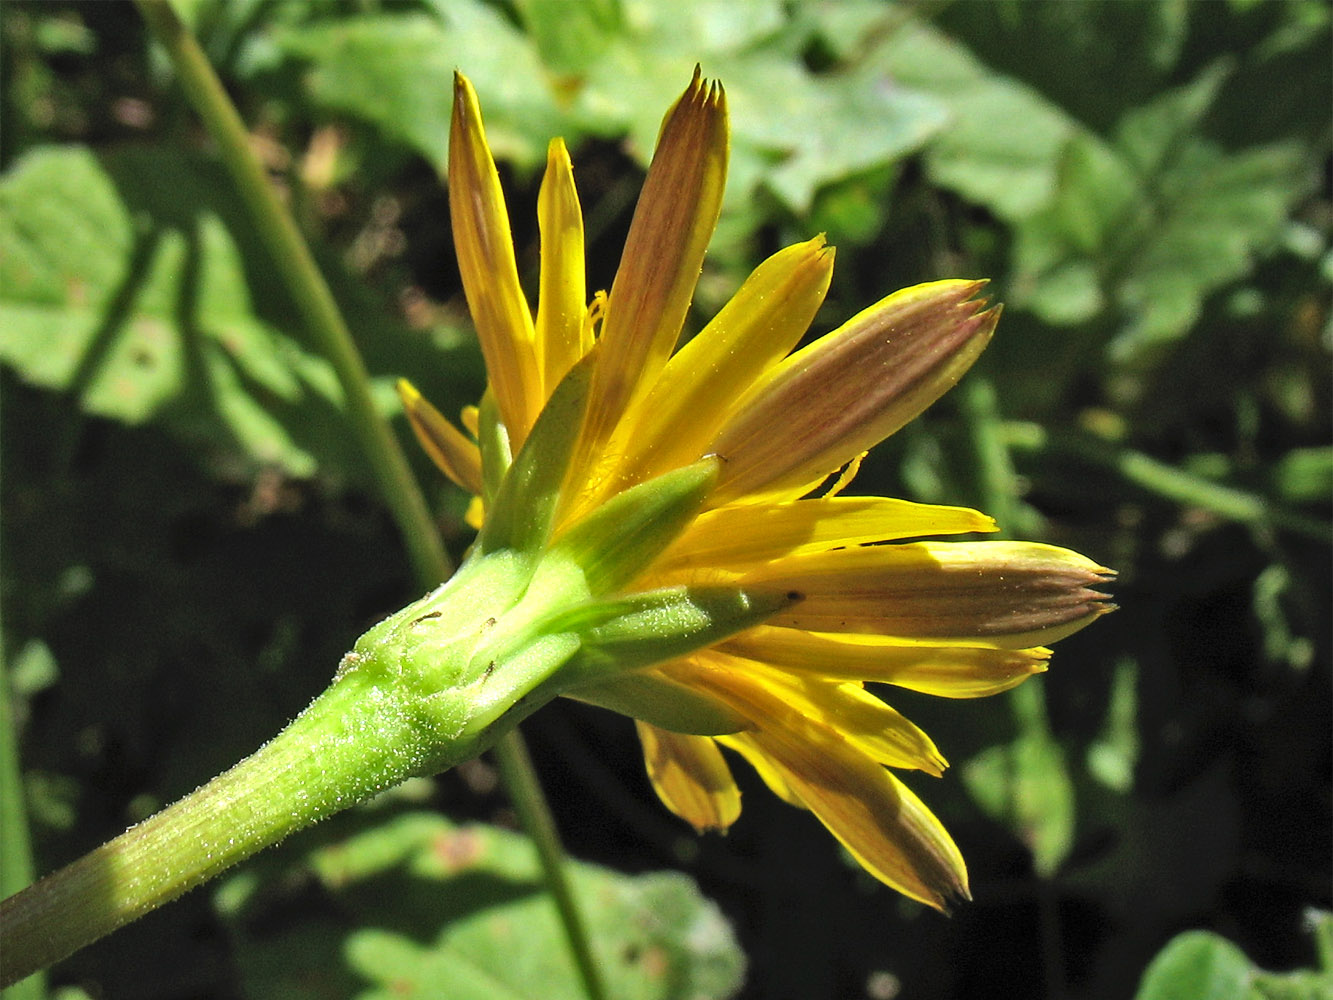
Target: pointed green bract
<point>618,540</point>
<point>522,512</point>
<point>661,702</point>
<point>659,625</point>
<point>493,441</point>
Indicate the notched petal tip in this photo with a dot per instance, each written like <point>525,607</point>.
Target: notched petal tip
<point>466,108</point>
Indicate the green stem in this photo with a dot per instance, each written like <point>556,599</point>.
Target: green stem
<point>994,465</point>
<point>1175,484</point>
<point>312,295</point>
<point>998,480</point>
<point>525,791</point>
<point>357,738</point>
<point>294,262</point>
<point>16,869</point>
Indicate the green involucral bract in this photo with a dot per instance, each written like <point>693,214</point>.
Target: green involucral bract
<point>523,509</point>
<point>525,619</point>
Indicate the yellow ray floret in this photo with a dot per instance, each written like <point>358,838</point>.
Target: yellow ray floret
<point>690,777</point>
<point>658,505</point>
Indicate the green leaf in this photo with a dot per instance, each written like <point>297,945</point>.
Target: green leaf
<point>1146,224</point>
<point>1197,965</point>
<point>422,907</point>
<point>1213,212</point>
<point>1003,144</point>
<point>131,283</point>
<point>570,36</point>
<point>396,72</point>
<point>140,307</point>
<point>1200,965</point>
<point>794,131</point>
<point>1305,475</point>
<point>1111,758</point>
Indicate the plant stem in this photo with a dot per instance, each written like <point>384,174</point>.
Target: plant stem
<point>994,466</point>
<point>294,262</point>
<point>1173,483</point>
<point>16,868</point>
<point>311,293</point>
<point>525,791</point>
<point>355,739</point>
<point>1000,498</point>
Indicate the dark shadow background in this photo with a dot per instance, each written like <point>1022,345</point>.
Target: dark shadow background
<point>169,603</point>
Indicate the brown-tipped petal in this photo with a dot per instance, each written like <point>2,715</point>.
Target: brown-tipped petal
<point>690,777</point>
<point>851,389</point>
<point>948,671</point>
<point>562,298</point>
<point>485,252</point>
<point>663,254</point>
<point>885,827</point>
<point>1011,594</point>
<point>455,455</point>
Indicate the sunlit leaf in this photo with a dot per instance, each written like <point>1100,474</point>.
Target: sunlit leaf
<point>427,908</point>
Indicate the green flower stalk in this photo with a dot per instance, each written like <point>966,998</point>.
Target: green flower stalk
<point>656,537</point>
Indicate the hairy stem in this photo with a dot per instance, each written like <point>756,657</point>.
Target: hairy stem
<point>354,740</point>
<point>116,883</point>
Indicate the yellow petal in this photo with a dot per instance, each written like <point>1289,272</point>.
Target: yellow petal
<point>485,252</point>
<point>744,534</point>
<point>562,298</point>
<point>770,775</point>
<point>874,728</point>
<point>475,516</point>
<point>852,388</point>
<point>674,423</point>
<point>663,254</point>
<point>949,671</point>
<point>885,827</point>
<point>690,777</point>
<point>1011,594</point>
<point>456,456</point>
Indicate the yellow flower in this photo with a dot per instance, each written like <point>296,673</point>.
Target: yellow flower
<point>691,469</point>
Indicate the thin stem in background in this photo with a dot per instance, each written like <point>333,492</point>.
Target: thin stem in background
<point>999,485</point>
<point>1168,481</point>
<point>315,301</point>
<point>16,867</point>
<point>310,292</point>
<point>520,780</point>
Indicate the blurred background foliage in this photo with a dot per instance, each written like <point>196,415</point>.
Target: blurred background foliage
<point>190,541</point>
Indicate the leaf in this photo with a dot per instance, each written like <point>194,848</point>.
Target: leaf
<point>1197,965</point>
<point>1201,965</point>
<point>1144,225</point>
<point>1112,756</point>
<point>570,37</point>
<point>426,908</point>
<point>132,283</point>
<point>794,131</point>
<point>395,71</point>
<point>1003,143</point>
<point>144,312</point>
<point>1305,475</point>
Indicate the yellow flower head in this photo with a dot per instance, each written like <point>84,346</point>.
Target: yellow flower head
<point>653,506</point>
